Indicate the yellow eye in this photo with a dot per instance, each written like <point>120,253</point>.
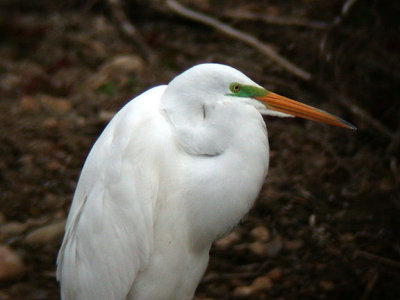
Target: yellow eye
<point>235,87</point>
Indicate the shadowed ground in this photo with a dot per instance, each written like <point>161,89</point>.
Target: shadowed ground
<point>326,224</point>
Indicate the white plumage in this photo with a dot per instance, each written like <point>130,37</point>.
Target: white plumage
<point>176,168</point>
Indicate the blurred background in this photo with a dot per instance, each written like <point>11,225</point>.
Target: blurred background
<point>327,223</point>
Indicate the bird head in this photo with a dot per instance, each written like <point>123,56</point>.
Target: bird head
<point>207,83</point>
<point>274,104</point>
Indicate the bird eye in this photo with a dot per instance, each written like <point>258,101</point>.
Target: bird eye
<point>235,87</point>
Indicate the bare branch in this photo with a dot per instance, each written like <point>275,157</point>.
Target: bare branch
<point>365,116</point>
<point>370,285</point>
<point>239,35</point>
<point>355,109</point>
<point>345,10</point>
<point>128,30</point>
<point>382,260</point>
<point>276,20</point>
<point>347,6</point>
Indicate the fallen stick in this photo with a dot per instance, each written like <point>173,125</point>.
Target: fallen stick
<point>129,30</point>
<point>365,116</point>
<point>276,20</point>
<point>239,35</point>
<point>370,285</point>
<point>382,260</point>
<point>355,109</point>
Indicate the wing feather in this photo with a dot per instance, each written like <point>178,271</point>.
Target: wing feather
<point>109,231</point>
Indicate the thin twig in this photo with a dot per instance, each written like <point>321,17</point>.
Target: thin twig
<point>392,148</point>
<point>130,31</point>
<point>382,260</point>
<point>347,5</point>
<point>364,115</point>
<point>239,35</point>
<point>370,285</point>
<point>355,109</point>
<point>276,20</point>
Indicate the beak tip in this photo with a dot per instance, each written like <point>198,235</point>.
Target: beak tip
<point>347,124</point>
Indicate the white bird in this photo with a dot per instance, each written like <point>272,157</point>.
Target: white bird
<point>175,169</point>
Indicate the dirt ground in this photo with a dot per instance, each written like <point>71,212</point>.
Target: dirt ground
<point>326,225</point>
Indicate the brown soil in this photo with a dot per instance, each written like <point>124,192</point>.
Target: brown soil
<point>326,225</point>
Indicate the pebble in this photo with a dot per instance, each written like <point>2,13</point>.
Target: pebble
<point>263,283</point>
<point>260,284</point>
<point>243,291</point>
<point>51,123</point>
<point>347,238</point>
<point>116,69</point>
<point>258,248</point>
<point>260,233</point>
<point>55,104</point>
<point>270,249</point>
<point>293,245</point>
<point>275,274</point>
<point>11,264</point>
<point>327,285</point>
<point>12,229</point>
<point>30,104</point>
<point>229,240</point>
<point>105,115</point>
<point>45,234</point>
<point>3,219</point>
<point>274,247</point>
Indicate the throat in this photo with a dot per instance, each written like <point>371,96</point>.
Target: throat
<point>233,183</point>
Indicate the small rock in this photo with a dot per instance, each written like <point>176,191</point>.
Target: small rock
<point>274,247</point>
<point>293,245</point>
<point>270,249</point>
<point>117,70</point>
<point>229,240</point>
<point>54,165</point>
<point>347,238</point>
<point>11,264</point>
<point>106,116</point>
<point>259,284</point>
<point>3,219</point>
<point>45,234</point>
<point>386,185</point>
<point>54,104</point>
<point>327,285</point>
<point>263,283</point>
<point>123,63</point>
<point>41,146</point>
<point>312,220</point>
<point>243,291</point>
<point>260,233</point>
<point>51,123</point>
<point>52,200</point>
<point>31,104</point>
<point>241,248</point>
<point>275,274</point>
<point>258,248</point>
<point>12,229</point>
<point>9,82</point>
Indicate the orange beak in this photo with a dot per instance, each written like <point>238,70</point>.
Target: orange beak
<point>285,105</point>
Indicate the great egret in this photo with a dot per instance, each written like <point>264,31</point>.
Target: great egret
<point>175,169</point>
